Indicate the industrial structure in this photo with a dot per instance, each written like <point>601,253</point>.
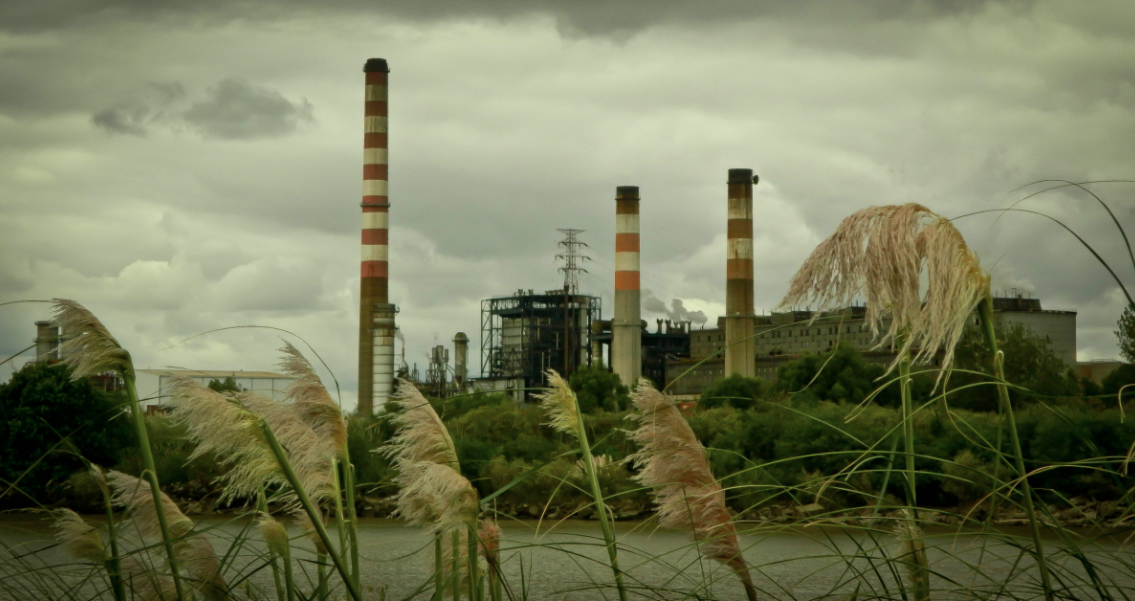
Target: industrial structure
<point>739,313</point>
<point>627,326</point>
<point>376,314</point>
<point>526,334</point>
<point>784,337</point>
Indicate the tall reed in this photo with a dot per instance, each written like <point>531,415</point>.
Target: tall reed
<point>89,349</point>
<point>675,465</point>
<point>432,492</point>
<point>564,415</point>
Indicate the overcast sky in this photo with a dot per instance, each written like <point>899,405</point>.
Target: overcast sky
<point>198,166</point>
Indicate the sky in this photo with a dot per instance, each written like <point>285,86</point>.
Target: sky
<point>180,167</point>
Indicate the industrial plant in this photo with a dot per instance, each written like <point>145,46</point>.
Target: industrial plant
<point>527,333</point>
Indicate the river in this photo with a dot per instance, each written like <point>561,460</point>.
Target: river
<point>567,561</point>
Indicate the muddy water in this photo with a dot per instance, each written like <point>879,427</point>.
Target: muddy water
<point>568,561</point>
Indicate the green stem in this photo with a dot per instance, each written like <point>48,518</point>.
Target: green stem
<point>337,494</point>
<point>908,434</point>
<point>986,311</point>
<point>151,475</point>
<point>456,565</point>
<point>113,564</point>
<point>600,505</point>
<point>474,565</point>
<point>281,593</point>
<point>352,517</point>
<point>309,507</point>
<point>321,573</point>
<point>439,569</point>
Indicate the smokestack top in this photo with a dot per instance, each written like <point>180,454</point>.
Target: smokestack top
<point>626,193</point>
<point>461,337</point>
<point>376,65</point>
<point>741,176</point>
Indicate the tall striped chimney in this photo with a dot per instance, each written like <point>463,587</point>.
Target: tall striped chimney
<point>376,314</point>
<point>626,327</point>
<point>740,321</point>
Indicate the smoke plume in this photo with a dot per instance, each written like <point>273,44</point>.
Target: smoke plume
<point>675,312</point>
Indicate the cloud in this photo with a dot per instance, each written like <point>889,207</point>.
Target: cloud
<point>237,110</point>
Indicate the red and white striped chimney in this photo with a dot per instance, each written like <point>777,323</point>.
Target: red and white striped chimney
<point>626,327</point>
<point>740,321</point>
<point>376,314</point>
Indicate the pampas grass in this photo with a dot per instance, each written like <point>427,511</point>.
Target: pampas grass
<point>675,465</point>
<point>562,407</point>
<point>195,554</point>
<point>881,254</point>
<point>78,537</point>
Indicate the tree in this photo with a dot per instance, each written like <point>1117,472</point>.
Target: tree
<point>1126,334</point>
<point>1029,363</point>
<point>842,374</point>
<point>41,406</point>
<point>228,385</point>
<point>598,389</point>
<point>734,391</point>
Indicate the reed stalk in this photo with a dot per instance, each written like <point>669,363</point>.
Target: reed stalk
<point>439,569</point>
<point>455,548</point>
<point>113,563</point>
<point>475,589</point>
<point>986,311</point>
<point>90,350</point>
<point>311,509</point>
<point>563,410</point>
<point>269,532</point>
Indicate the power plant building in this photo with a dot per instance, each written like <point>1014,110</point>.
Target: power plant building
<point>525,335</point>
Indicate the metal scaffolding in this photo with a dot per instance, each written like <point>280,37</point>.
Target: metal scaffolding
<point>524,335</point>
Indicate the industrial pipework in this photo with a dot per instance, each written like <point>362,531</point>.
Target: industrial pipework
<point>626,327</point>
<point>376,314</point>
<point>740,321</point>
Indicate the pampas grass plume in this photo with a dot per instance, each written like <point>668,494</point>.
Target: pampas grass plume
<point>311,400</point>
<point>560,404</point>
<point>675,465</point>
<point>308,529</point>
<point>274,533</point>
<point>78,537</point>
<point>88,347</point>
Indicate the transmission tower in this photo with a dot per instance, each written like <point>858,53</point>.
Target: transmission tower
<point>572,258</point>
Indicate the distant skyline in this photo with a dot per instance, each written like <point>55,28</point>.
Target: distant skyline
<point>184,166</point>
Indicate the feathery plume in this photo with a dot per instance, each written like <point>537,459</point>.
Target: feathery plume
<point>310,454</point>
<point>88,347</point>
<point>194,553</point>
<point>560,404</point>
<point>311,399</point>
<point>675,465</point>
<point>274,533</point>
<point>422,435</point>
<point>78,537</point>
<point>134,494</point>
<point>220,425</point>
<point>489,537</point>
<point>432,490</point>
<point>880,252</point>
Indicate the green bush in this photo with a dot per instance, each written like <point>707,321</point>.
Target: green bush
<point>48,421</point>
<point>597,389</point>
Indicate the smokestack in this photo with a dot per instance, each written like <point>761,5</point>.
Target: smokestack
<point>46,341</point>
<point>626,327</point>
<point>740,322</point>
<point>460,359</point>
<point>376,315</point>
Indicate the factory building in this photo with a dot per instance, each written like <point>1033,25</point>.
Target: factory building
<point>784,337</point>
<point>153,384</point>
<point>526,334</point>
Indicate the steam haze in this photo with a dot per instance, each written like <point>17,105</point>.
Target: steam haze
<point>184,166</point>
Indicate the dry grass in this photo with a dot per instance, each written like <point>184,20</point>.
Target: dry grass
<point>88,347</point>
<point>881,253</point>
<point>675,465</point>
<point>78,537</point>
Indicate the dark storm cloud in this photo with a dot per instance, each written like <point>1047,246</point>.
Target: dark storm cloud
<point>238,110</point>
<point>574,17</point>
<point>231,110</point>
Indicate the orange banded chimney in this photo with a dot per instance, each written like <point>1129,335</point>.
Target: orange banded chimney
<point>626,327</point>
<point>740,322</point>
<point>376,314</point>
